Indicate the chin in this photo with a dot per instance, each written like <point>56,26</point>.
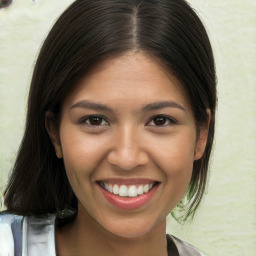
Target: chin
<point>131,230</point>
<point>130,233</point>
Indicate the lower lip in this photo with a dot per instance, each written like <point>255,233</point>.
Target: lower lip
<point>128,203</point>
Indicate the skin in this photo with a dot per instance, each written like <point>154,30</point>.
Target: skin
<point>127,143</point>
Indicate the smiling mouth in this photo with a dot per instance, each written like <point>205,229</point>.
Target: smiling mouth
<point>123,190</point>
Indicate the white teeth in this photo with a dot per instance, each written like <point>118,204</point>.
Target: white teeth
<point>123,190</point>
<point>127,190</point>
<point>146,188</point>
<point>132,191</point>
<point>140,190</point>
<point>116,189</point>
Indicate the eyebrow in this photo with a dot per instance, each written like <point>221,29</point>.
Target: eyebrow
<point>145,108</point>
<point>92,105</point>
<point>162,104</point>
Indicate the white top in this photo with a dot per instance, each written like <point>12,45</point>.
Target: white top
<point>30,236</point>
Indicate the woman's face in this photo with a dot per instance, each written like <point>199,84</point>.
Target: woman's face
<point>128,139</point>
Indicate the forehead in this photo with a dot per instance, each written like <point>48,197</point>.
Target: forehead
<point>131,77</point>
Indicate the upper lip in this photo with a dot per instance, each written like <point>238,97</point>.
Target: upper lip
<point>130,181</point>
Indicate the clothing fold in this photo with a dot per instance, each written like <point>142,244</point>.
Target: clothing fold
<point>32,236</point>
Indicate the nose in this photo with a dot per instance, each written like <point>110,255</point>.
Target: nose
<point>128,150</point>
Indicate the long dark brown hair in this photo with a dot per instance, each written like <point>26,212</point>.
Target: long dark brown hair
<point>87,33</point>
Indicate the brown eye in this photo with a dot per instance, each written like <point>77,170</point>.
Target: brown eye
<point>96,121</point>
<point>160,120</point>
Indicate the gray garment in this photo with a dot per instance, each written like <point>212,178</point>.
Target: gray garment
<point>33,236</point>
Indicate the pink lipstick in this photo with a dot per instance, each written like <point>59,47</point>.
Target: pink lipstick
<point>128,197</point>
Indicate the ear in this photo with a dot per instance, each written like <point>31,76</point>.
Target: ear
<point>51,126</point>
<point>202,137</point>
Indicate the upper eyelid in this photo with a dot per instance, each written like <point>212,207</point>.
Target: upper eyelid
<point>85,118</point>
<point>173,120</point>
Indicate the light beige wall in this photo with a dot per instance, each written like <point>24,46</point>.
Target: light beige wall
<point>226,222</point>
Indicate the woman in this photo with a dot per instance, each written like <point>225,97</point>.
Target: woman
<point>119,131</point>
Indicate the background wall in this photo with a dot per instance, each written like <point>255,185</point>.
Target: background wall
<point>226,221</point>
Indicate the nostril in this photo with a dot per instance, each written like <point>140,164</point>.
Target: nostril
<point>128,162</point>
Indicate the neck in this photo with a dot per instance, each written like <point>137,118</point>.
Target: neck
<point>86,237</point>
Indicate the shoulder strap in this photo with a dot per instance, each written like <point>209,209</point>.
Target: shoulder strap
<point>15,224</point>
<point>40,237</point>
<point>185,249</point>
<point>171,247</point>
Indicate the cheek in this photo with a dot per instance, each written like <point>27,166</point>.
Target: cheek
<point>81,155</point>
<point>176,155</point>
<point>79,148</point>
<point>176,159</point>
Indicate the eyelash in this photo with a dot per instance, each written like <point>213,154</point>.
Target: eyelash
<point>84,121</point>
<point>168,119</point>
